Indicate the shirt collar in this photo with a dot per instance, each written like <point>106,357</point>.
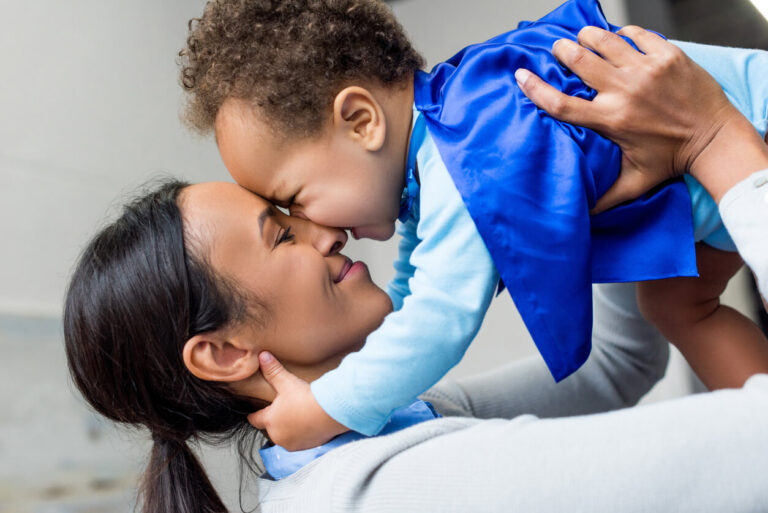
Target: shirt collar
<point>411,188</point>
<point>280,463</point>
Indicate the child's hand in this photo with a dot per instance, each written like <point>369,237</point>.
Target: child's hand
<point>659,106</point>
<point>294,420</point>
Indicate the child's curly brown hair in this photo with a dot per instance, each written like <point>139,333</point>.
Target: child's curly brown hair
<point>289,58</point>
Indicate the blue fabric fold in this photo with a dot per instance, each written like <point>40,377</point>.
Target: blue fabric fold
<point>528,182</point>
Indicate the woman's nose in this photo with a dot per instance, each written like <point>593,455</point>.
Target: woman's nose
<point>328,241</point>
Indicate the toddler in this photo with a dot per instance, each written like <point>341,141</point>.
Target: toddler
<point>321,107</point>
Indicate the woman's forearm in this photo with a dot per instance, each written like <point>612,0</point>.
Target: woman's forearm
<point>628,357</point>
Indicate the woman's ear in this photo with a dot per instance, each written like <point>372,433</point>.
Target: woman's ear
<point>216,357</point>
<point>358,115</point>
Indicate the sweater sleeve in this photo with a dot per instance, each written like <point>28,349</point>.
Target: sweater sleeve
<point>445,300</point>
<point>629,356</point>
<point>744,210</point>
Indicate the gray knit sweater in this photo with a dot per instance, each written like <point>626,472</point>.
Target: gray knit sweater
<point>705,453</point>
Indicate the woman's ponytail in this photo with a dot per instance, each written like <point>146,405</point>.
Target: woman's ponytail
<point>175,482</point>
<point>135,298</point>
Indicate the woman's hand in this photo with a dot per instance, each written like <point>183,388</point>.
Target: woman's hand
<point>659,106</point>
<point>294,420</point>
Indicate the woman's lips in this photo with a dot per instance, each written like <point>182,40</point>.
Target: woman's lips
<point>356,268</point>
<point>349,269</point>
<point>344,270</point>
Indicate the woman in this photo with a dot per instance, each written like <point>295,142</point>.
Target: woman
<point>171,305</point>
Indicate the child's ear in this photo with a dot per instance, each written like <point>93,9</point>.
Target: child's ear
<point>215,356</point>
<point>358,115</point>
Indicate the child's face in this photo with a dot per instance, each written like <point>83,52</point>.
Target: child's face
<point>328,179</point>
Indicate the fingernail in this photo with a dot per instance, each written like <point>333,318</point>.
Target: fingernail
<point>522,75</point>
<point>266,357</point>
<point>563,41</point>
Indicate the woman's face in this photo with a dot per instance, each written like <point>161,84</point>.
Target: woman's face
<point>319,304</point>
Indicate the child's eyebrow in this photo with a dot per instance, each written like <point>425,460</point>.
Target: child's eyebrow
<point>267,212</point>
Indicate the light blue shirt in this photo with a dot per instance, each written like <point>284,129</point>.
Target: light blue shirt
<point>743,75</point>
<point>445,278</point>
<point>280,463</point>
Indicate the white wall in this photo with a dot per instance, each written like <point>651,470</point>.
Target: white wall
<point>89,99</point>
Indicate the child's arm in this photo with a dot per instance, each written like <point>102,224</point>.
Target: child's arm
<point>723,347</point>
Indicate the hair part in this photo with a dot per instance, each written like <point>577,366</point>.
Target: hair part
<point>136,296</point>
<point>289,58</point>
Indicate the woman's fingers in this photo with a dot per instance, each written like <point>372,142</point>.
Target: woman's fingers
<point>558,105</point>
<point>648,42</point>
<point>592,69</point>
<point>610,46</point>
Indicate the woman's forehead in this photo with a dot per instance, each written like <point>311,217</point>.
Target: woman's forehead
<point>219,198</point>
<point>213,210</point>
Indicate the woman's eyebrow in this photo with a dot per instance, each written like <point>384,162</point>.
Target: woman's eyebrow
<point>267,212</point>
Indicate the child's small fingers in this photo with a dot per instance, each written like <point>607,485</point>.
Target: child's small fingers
<point>561,106</point>
<point>274,372</point>
<point>257,419</point>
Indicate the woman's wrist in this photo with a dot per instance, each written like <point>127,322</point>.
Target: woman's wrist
<point>733,153</point>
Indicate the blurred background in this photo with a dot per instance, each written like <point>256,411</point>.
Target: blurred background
<point>90,103</point>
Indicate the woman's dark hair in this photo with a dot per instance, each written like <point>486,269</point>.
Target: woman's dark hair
<point>136,296</point>
<point>289,58</point>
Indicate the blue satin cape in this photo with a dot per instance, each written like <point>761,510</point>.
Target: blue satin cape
<point>528,182</point>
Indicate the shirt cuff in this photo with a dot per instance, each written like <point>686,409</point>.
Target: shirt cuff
<point>744,211</point>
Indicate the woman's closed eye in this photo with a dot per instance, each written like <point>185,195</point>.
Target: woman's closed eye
<point>284,236</point>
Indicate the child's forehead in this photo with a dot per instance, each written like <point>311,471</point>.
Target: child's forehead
<point>239,114</point>
<point>238,123</point>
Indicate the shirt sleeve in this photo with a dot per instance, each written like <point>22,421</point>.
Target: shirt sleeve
<point>452,283</point>
<point>744,210</point>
